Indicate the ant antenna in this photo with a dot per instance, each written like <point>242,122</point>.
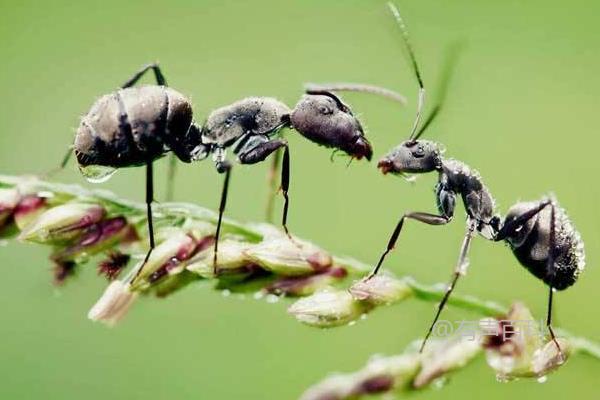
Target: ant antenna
<point>324,92</point>
<point>356,87</point>
<point>415,66</point>
<point>448,69</point>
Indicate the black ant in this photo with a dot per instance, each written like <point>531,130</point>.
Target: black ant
<point>134,126</point>
<point>540,234</point>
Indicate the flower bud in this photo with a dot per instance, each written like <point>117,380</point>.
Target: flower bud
<point>231,259</point>
<point>113,304</point>
<point>167,257</point>
<point>444,356</point>
<point>62,223</point>
<point>549,357</point>
<point>97,238</point>
<point>517,349</point>
<point>306,285</point>
<point>380,375</point>
<point>173,283</point>
<point>381,289</point>
<point>29,209</point>
<point>327,308</point>
<point>283,256</point>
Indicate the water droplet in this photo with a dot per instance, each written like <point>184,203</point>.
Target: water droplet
<point>97,173</point>
<point>226,292</point>
<point>259,295</point>
<point>363,316</point>
<point>439,383</point>
<point>45,194</point>
<point>542,379</point>
<point>502,378</point>
<point>351,323</point>
<point>271,298</point>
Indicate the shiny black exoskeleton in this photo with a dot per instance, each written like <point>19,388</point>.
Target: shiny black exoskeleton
<point>540,234</point>
<point>251,127</point>
<point>136,125</point>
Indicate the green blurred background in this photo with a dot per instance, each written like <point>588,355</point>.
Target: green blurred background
<point>522,109</point>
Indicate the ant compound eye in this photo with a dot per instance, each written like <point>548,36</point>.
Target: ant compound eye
<point>325,110</point>
<point>419,151</point>
<point>230,121</point>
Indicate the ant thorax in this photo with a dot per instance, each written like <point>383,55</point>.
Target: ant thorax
<point>249,116</point>
<point>459,178</point>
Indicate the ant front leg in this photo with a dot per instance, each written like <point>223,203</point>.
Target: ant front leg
<point>427,218</point>
<point>446,201</point>
<point>257,149</point>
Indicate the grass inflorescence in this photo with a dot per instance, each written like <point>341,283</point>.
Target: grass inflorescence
<point>83,226</point>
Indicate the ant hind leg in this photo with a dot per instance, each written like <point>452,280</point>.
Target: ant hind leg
<point>149,200</point>
<point>160,78</point>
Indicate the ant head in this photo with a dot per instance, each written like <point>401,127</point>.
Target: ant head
<point>323,118</point>
<point>412,156</point>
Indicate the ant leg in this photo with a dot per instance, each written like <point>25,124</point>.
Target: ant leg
<point>429,219</point>
<point>550,265</point>
<point>509,227</point>
<point>260,147</point>
<point>149,200</point>
<point>549,324</point>
<point>62,164</point>
<point>459,270</point>
<point>171,176</point>
<point>222,166</point>
<point>285,185</point>
<point>272,185</point>
<point>160,79</point>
